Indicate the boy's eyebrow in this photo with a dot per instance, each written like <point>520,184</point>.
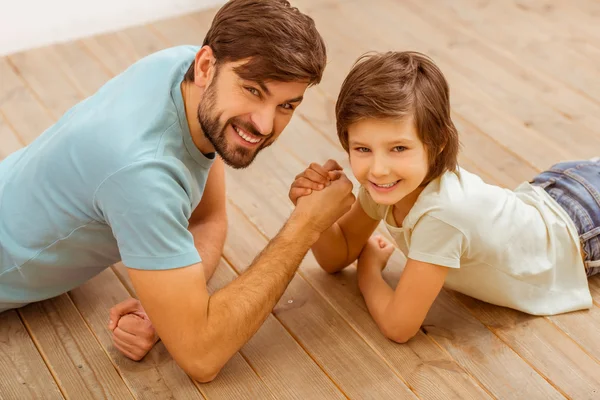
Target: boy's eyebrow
<point>391,143</point>
<point>295,99</point>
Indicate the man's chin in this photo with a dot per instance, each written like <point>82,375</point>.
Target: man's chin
<point>237,162</point>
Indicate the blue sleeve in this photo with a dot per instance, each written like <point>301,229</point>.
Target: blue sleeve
<point>147,206</point>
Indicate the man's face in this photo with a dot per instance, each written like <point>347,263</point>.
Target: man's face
<point>241,117</point>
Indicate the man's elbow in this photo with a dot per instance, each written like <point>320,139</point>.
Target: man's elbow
<point>204,375</point>
<point>203,370</point>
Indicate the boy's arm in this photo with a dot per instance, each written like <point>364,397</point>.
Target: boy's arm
<point>340,245</point>
<point>208,223</point>
<point>399,314</point>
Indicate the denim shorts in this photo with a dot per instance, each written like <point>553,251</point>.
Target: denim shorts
<point>575,185</point>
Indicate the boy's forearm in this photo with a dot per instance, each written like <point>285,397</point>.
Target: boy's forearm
<point>209,239</point>
<point>237,311</point>
<point>331,250</point>
<point>377,294</point>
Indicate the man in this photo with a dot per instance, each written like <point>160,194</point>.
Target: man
<point>131,174</point>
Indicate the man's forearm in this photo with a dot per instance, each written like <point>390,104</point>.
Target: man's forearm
<point>209,239</point>
<point>237,311</point>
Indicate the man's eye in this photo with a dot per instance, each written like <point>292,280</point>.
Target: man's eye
<point>254,91</point>
<point>287,106</point>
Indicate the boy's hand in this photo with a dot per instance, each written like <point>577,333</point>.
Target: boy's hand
<point>315,177</point>
<point>133,333</point>
<point>375,255</point>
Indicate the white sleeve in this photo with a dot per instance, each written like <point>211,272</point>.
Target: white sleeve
<point>372,209</point>
<point>436,242</point>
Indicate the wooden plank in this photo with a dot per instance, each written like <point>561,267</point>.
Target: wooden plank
<point>40,69</point>
<point>552,353</point>
<point>540,103</point>
<point>24,374</point>
<point>19,107</point>
<point>157,376</point>
<point>110,51</point>
<point>9,141</point>
<point>533,43</point>
<point>77,361</point>
<point>80,67</point>
<point>482,353</point>
<point>427,369</point>
<point>272,353</point>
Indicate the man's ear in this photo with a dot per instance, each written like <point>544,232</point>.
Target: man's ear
<point>205,66</point>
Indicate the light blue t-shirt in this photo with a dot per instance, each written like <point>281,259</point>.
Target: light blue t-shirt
<point>116,178</point>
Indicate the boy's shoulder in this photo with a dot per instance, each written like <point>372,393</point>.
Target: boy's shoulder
<point>456,198</point>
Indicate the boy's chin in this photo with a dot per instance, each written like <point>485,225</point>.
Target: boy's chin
<point>386,199</point>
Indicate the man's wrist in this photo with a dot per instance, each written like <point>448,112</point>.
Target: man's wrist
<point>303,228</point>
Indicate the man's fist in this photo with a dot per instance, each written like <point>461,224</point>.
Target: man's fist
<point>132,331</point>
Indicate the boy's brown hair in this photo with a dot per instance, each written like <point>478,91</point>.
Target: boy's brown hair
<point>280,43</point>
<point>397,85</point>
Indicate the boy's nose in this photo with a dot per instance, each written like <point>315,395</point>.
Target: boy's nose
<point>379,168</point>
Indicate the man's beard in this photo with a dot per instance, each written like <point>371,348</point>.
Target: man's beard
<point>238,157</point>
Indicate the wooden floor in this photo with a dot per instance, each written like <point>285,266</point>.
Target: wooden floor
<point>525,84</point>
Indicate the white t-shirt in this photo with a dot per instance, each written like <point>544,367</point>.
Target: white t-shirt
<point>517,249</point>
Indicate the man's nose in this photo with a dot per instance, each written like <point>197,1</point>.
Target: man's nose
<point>263,120</point>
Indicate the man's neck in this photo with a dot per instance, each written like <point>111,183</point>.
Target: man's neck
<point>191,98</point>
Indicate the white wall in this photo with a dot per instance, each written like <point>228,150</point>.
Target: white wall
<point>26,24</point>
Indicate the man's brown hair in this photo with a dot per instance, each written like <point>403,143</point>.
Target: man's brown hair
<point>398,85</point>
<point>280,43</point>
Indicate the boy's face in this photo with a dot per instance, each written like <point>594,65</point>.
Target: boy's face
<point>241,117</point>
<point>387,158</point>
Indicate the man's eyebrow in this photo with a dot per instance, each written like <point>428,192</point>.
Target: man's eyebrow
<point>264,87</point>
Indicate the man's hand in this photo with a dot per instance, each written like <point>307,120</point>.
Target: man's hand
<point>315,177</point>
<point>323,208</point>
<point>133,333</point>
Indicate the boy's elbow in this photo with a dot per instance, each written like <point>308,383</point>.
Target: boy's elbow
<point>398,335</point>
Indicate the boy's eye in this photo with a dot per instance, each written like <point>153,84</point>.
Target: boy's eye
<point>252,90</point>
<point>362,149</point>
<point>399,148</point>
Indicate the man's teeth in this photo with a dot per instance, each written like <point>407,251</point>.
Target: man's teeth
<point>247,138</point>
<point>389,185</point>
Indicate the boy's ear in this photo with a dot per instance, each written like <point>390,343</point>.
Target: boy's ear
<point>204,68</point>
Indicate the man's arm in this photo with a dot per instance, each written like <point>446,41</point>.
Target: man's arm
<point>208,223</point>
<point>203,332</point>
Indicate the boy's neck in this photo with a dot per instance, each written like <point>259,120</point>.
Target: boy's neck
<point>401,209</point>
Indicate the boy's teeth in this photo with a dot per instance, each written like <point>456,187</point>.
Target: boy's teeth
<point>387,186</point>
